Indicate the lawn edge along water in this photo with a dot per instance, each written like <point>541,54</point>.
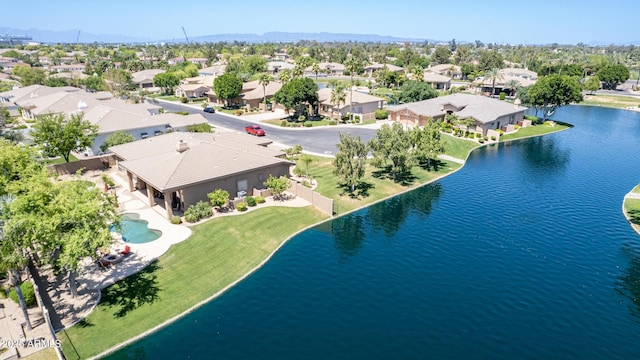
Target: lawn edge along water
<point>69,348</point>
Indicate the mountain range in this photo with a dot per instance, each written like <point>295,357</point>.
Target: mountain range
<point>77,36</point>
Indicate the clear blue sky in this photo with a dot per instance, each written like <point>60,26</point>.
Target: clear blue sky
<point>516,22</point>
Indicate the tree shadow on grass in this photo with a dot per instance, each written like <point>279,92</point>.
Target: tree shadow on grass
<point>134,291</point>
<point>360,191</point>
<point>405,179</point>
<point>634,216</point>
<point>434,165</point>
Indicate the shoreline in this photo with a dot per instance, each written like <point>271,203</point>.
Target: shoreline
<point>635,227</point>
<point>284,241</point>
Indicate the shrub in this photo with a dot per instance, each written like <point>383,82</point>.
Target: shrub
<point>298,171</point>
<point>486,138</point>
<point>239,112</point>
<point>218,197</point>
<point>27,293</point>
<point>308,124</point>
<point>333,122</point>
<point>531,117</point>
<point>260,199</point>
<point>481,141</point>
<point>493,138</point>
<point>503,96</point>
<point>251,201</point>
<point>356,118</point>
<point>301,118</point>
<point>184,100</point>
<point>191,214</point>
<point>203,209</point>
<point>3,293</point>
<point>284,123</point>
<point>381,114</point>
<point>500,132</point>
<point>306,183</point>
<point>472,135</point>
<point>241,206</point>
<point>175,220</point>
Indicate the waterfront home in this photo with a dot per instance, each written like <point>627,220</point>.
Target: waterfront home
<point>178,169</point>
<point>363,105</point>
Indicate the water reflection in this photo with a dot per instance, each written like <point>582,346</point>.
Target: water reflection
<point>543,157</point>
<point>389,216</point>
<point>629,282</point>
<point>348,233</point>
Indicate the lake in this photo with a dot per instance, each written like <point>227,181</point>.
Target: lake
<point>522,254</point>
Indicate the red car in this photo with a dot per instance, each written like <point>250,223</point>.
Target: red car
<point>254,130</point>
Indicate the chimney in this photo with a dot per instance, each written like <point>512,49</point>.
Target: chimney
<point>182,146</point>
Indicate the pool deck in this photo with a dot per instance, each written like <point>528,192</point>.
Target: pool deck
<point>95,277</point>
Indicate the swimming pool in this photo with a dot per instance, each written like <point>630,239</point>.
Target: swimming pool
<point>136,231</point>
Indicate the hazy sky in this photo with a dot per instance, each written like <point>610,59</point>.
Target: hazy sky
<point>514,21</point>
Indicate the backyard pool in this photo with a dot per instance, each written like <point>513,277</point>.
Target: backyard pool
<point>136,231</point>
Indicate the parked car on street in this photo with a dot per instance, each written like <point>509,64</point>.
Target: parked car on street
<point>254,130</point>
<point>209,109</point>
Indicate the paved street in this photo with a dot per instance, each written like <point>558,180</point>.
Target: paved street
<point>316,140</point>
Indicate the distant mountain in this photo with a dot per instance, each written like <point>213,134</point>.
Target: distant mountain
<point>75,35</point>
<point>71,36</point>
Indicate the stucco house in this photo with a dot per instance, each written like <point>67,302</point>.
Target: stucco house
<point>139,123</point>
<point>144,78</point>
<point>254,97</point>
<point>364,105</point>
<point>178,169</point>
<point>326,69</point>
<point>370,70</point>
<point>274,67</point>
<point>437,81</point>
<point>449,70</point>
<point>522,77</point>
<point>488,113</point>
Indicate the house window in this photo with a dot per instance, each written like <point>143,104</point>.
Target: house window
<point>512,118</point>
<point>242,187</point>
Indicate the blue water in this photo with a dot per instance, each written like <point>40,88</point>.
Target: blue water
<point>522,254</point>
<point>137,231</point>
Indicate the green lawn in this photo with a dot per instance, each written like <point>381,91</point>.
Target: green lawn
<point>535,131</point>
<point>60,160</point>
<point>636,189</point>
<point>610,101</point>
<point>167,97</point>
<point>218,253</point>
<point>632,208</point>
<point>458,147</point>
<point>373,187</point>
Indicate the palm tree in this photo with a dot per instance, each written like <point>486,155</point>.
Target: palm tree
<point>337,96</point>
<point>417,72</point>
<point>333,83</point>
<point>264,79</point>
<point>285,76</point>
<point>316,69</point>
<point>513,85</point>
<point>297,71</point>
<point>493,74</point>
<point>352,64</point>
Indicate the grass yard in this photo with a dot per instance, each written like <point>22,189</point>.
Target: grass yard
<point>60,160</point>
<point>632,208</point>
<point>219,252</point>
<point>374,186</point>
<point>458,147</point>
<point>535,131</point>
<point>610,101</point>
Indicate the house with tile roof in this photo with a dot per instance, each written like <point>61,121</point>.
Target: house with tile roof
<point>363,105</point>
<point>487,113</point>
<point>178,169</point>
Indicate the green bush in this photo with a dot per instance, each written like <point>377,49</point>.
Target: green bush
<point>301,118</point>
<point>503,96</point>
<point>27,293</point>
<point>493,138</point>
<point>260,199</point>
<point>481,141</point>
<point>203,209</point>
<point>382,114</point>
<point>284,123</point>
<point>333,122</point>
<point>3,293</point>
<point>531,117</point>
<point>356,118</point>
<point>500,132</point>
<point>251,201</point>
<point>472,135</point>
<point>516,127</point>
<point>191,214</point>
<point>486,138</point>
<point>308,124</point>
<point>306,183</point>
<point>241,206</point>
<point>184,100</point>
<point>175,220</point>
